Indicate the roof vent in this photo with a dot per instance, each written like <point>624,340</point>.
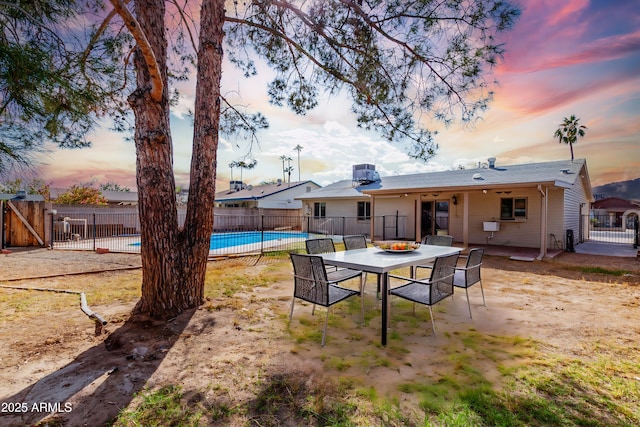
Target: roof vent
<point>477,176</point>
<point>492,162</point>
<point>565,171</point>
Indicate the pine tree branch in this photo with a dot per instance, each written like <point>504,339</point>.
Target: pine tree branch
<point>153,67</point>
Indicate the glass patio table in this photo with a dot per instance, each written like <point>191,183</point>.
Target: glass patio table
<point>374,260</point>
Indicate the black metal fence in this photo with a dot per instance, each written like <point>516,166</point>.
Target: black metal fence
<point>612,229</point>
<point>232,234</point>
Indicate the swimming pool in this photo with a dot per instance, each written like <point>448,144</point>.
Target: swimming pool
<point>224,240</point>
<point>240,238</point>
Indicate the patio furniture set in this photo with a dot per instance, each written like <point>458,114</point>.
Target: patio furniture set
<point>319,273</point>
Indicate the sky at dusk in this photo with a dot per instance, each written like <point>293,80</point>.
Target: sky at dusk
<point>562,58</point>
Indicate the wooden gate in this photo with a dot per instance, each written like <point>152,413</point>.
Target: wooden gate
<point>24,223</point>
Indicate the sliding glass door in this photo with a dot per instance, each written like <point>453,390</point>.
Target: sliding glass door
<point>434,217</point>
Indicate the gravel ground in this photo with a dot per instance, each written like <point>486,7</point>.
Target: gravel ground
<point>34,263</point>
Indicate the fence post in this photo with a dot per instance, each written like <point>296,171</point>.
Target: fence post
<point>53,231</point>
<point>1,224</point>
<point>397,225</point>
<point>262,234</point>
<point>94,231</point>
<point>636,225</point>
<point>384,227</point>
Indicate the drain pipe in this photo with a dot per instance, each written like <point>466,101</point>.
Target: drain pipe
<point>100,322</point>
<point>543,222</point>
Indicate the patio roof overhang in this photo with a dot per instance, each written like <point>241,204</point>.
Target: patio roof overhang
<point>466,188</point>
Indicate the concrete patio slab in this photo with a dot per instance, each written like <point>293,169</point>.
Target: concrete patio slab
<point>607,249</point>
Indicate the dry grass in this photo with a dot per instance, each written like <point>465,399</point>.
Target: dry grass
<point>547,351</point>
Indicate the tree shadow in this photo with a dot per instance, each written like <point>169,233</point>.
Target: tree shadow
<point>99,382</point>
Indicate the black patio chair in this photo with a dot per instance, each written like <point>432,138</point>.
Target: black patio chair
<point>319,246</point>
<point>358,241</point>
<point>432,290</point>
<point>436,240</point>
<point>313,284</point>
<point>469,275</point>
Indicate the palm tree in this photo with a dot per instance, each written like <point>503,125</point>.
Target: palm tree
<point>232,165</point>
<point>289,168</point>
<point>569,132</point>
<point>298,148</point>
<point>284,158</point>
<point>248,164</point>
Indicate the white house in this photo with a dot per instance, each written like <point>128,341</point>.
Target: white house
<point>279,195</point>
<point>530,205</point>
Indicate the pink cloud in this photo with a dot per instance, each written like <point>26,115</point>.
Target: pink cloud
<point>604,49</point>
<point>569,11</point>
<point>551,35</point>
<point>543,98</point>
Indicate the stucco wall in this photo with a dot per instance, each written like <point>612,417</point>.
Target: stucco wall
<point>486,207</point>
<point>286,199</point>
<point>555,224</point>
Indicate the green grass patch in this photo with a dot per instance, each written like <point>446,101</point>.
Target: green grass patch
<point>225,279</point>
<point>162,407</point>
<point>601,270</point>
<point>540,388</point>
<point>303,401</point>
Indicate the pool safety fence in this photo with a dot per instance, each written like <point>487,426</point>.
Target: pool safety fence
<point>232,234</point>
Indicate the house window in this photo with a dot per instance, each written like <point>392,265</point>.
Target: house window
<point>512,208</point>
<point>364,210</point>
<point>320,209</point>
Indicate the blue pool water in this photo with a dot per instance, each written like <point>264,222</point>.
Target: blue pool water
<point>225,240</point>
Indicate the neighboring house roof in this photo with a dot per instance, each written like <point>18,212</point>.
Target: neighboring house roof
<point>345,189</point>
<point>258,192</point>
<point>122,197</point>
<point>26,198</point>
<point>614,203</point>
<point>559,173</point>
<point>54,193</point>
<point>119,197</point>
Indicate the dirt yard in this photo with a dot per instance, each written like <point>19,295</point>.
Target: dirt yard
<point>53,366</point>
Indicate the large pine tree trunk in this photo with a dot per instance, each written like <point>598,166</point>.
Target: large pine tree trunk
<point>174,260</point>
